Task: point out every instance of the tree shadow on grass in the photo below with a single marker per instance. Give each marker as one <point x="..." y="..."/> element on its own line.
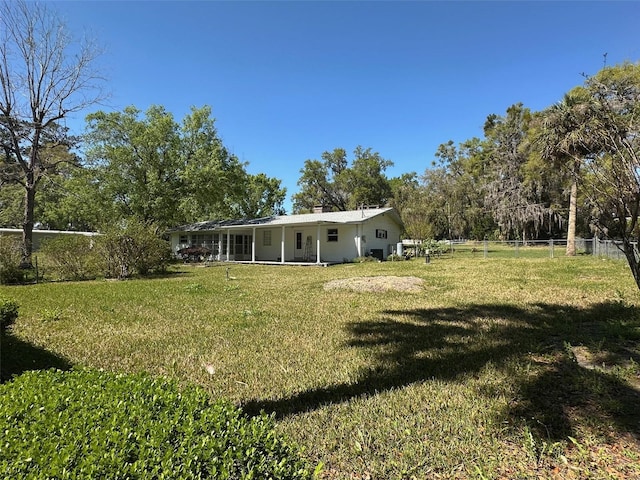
<point x="18" y="356"/>
<point x="412" y="346"/>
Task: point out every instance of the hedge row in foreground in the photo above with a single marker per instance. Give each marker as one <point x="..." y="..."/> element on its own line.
<point x="88" y="424"/>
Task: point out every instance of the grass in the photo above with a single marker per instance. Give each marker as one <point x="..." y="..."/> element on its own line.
<point x="498" y="368"/>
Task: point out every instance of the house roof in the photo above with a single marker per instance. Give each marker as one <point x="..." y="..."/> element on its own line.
<point x="351" y="216"/>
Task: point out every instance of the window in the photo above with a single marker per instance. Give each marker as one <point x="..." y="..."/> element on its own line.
<point x="381" y="233"/>
<point x="266" y="238"/>
<point x="298" y="240"/>
<point x="241" y="244"/>
<point x="184" y="239"/>
<point x="202" y="240"/>
<point x="332" y="235"/>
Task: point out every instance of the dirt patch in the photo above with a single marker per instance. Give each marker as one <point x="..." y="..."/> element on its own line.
<point x="608" y="361"/>
<point x="377" y="284"/>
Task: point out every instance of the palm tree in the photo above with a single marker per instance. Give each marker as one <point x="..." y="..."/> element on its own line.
<point x="564" y="139"/>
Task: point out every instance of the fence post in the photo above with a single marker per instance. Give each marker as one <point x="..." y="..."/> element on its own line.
<point x="517" y="248"/>
<point x="485" y="248"/>
<point x="551" y="247"/>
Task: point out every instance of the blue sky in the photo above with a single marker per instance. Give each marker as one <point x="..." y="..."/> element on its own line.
<point x="290" y="80"/>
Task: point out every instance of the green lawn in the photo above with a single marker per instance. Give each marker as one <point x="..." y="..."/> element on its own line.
<point x="497" y="368"/>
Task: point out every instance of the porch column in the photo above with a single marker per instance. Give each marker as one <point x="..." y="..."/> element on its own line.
<point x="253" y="245"/>
<point x="282" y="246"/>
<point x="318" y="244"/>
<point x="228" y="245"/>
<point x="359" y="241"/>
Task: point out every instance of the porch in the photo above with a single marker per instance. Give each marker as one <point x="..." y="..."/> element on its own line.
<point x="284" y="245"/>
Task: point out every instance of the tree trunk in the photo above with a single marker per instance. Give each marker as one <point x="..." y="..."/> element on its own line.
<point x="573" y="210"/>
<point x="27" y="224"/>
<point x="632" y="258"/>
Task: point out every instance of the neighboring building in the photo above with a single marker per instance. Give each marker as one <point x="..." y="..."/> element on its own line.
<point x="40" y="235"/>
<point x="320" y="237"/>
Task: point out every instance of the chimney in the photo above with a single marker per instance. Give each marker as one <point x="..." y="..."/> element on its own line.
<point x="321" y="209"/>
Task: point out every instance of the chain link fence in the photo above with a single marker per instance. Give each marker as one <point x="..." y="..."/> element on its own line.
<point x="530" y="249"/>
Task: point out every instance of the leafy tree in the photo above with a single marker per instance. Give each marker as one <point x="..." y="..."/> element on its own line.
<point x="11" y="205"/>
<point x="72" y="201"/>
<point x="459" y="189"/>
<point x="404" y="190"/>
<point x="366" y="182"/>
<point x="408" y="198"/>
<point x="213" y="179"/>
<point x="323" y="183"/>
<point x="435" y="191"/>
<point x="68" y="200"/>
<point x="44" y="77"/>
<point x="333" y="184"/>
<point x="137" y="163"/>
<point x="516" y="205"/>
<point x="595" y="130"/>
<point x="262" y="197"/>
<point x="159" y="171"/>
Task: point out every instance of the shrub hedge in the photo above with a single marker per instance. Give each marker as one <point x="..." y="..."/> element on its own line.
<point x="10" y="256"/>
<point x="8" y="312"/>
<point x="89" y="424"/>
<point x="71" y="257"/>
<point x="133" y="248"/>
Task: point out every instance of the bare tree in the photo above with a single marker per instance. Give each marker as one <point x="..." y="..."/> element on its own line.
<point x="44" y="77"/>
<point x="612" y="180"/>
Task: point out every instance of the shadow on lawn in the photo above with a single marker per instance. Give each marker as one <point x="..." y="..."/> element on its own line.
<point x="450" y="343"/>
<point x="18" y="356"/>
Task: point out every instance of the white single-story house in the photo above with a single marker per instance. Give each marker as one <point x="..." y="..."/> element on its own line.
<point x="39" y="236"/>
<point x="320" y="237"/>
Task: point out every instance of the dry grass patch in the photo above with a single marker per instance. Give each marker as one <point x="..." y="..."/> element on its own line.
<point x="384" y="283"/>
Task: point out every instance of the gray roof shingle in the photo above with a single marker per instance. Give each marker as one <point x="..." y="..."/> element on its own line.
<point x="350" y="216"/>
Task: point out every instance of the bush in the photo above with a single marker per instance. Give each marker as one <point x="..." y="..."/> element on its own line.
<point x="134" y="249"/>
<point x="90" y="424"/>
<point x="10" y="256"/>
<point x="71" y="257"/>
<point x="434" y="247"/>
<point x="394" y="258"/>
<point x="8" y="313"/>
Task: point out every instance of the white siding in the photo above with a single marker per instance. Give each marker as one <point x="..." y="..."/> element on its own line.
<point x="356" y="235"/>
<point x="343" y="249"/>
<point x="265" y="252"/>
<point x="387" y="245"/>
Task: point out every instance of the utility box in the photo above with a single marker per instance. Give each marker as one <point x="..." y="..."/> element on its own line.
<point x="377" y="253"/>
